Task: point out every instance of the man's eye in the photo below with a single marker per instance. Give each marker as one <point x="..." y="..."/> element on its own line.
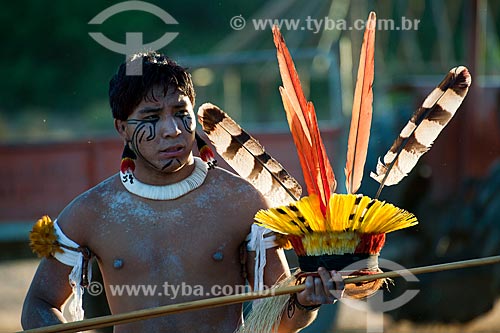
<point x="182" y="113"/>
<point x="151" y="117"/>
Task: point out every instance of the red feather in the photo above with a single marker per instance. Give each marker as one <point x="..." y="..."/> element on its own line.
<point x="318" y="173"/>
<point x="359" y="134"/>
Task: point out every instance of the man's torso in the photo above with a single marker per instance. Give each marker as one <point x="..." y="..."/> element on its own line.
<point x="156" y="253"/>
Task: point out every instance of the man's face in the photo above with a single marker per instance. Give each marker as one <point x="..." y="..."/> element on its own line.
<point x="162" y="131"/>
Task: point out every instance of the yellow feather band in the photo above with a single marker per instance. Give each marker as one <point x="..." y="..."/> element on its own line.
<point x="347" y="219"/>
<point x="43" y="239"/>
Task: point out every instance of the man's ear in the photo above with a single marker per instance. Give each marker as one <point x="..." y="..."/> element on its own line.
<point x="121" y="128"/>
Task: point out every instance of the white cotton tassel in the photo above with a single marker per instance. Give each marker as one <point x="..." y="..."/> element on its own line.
<point x="258" y="243"/>
<point x="76" y="305"/>
<point x="74" y="259"/>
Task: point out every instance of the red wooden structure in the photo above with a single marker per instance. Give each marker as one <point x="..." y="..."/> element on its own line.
<point x="40" y="179"/>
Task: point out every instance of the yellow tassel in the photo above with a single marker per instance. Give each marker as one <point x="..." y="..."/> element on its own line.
<point x="43" y="239"/>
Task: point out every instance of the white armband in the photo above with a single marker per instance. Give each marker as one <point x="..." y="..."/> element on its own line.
<point x="75" y="259"/>
<point x="259" y="240"/>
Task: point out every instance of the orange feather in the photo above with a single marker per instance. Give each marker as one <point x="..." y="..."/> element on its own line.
<point x="359" y="134"/>
<point x="318" y="173"/>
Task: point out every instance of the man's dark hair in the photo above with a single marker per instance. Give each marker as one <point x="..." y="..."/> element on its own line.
<point x="127" y="91"/>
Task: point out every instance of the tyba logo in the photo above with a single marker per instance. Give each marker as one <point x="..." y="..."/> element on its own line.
<point x="133" y="40"/>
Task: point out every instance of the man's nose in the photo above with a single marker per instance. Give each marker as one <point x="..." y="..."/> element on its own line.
<point x="169" y="127"/>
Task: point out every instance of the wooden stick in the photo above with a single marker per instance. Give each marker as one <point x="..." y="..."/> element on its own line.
<point x="138" y="315"/>
<point x="426" y="269"/>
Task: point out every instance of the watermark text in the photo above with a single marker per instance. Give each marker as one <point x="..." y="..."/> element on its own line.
<point x="317" y="25"/>
<point x="168" y="290"/>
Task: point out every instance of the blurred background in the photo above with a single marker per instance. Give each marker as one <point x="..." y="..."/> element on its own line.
<point x="57" y="137"/>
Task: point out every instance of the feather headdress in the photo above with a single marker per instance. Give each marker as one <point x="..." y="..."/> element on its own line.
<point x="337" y="230"/>
<point x="326" y="224"/>
<point x="326" y="228"/>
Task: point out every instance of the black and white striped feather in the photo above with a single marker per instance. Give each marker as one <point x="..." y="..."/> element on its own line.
<point x="421" y="131"/>
<point x="247" y="157"/>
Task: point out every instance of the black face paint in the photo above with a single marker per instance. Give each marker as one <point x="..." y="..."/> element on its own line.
<point x="169" y="163"/>
<point x="144" y="131"/>
<point x="147" y="126"/>
<point x="187" y="121"/>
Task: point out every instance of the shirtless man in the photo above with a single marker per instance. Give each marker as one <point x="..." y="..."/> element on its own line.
<point x="190" y="236"/>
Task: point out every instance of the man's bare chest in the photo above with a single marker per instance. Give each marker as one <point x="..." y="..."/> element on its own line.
<point x="143" y="239"/>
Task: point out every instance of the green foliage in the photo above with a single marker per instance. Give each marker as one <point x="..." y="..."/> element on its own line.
<point x="53" y="70"/>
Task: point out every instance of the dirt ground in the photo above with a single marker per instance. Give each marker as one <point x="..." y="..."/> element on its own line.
<point x="16" y="275"/>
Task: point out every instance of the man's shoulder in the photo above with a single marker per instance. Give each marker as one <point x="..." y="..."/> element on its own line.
<point x="225" y="178"/>
<point x="224" y="173"/>
<point x="80" y="213"/>
<point x="94" y="195"/>
<point x="229" y="184"/>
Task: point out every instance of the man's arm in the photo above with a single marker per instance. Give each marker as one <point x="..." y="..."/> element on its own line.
<point x="47" y="294"/>
<point x="50" y="287"/>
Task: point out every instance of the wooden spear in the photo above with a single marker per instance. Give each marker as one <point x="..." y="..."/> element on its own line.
<point x="138" y="315"/>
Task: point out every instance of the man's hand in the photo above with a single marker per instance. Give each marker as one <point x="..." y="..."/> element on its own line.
<point x="325" y="289"/>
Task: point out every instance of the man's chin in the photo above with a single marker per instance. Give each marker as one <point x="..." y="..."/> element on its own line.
<point x="176" y="164"/>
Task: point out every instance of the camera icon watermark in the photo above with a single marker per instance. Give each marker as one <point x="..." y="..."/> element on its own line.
<point x="376" y="302"/>
<point x="133" y="40"/>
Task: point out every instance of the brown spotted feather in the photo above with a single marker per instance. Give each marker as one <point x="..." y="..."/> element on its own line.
<point x="247" y="157"/>
<point x="421" y="131"/>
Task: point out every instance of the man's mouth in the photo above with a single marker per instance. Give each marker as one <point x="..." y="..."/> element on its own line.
<point x="171" y="151"/>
